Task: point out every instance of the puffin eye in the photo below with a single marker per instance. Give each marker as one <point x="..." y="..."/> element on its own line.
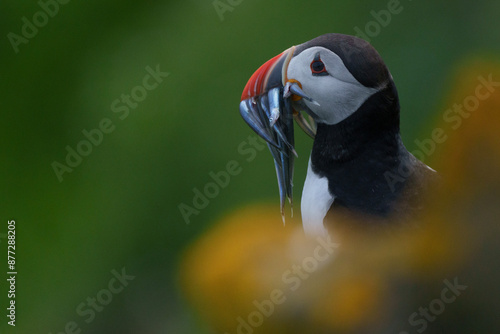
<point x="318" y="67"/>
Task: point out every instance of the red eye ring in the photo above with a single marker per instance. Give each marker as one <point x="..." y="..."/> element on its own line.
<point x="318" y="67"/>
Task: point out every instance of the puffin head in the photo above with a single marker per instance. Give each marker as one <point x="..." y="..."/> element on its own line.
<point x="339" y="73"/>
<point x="329" y="78"/>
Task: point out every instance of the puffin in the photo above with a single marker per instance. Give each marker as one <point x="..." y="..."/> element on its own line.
<point x="339" y="91"/>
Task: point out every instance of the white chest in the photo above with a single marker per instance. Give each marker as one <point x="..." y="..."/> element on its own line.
<point x="315" y="203"/>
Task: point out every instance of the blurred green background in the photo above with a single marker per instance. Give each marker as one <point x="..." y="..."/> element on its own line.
<point x="119" y="207"/>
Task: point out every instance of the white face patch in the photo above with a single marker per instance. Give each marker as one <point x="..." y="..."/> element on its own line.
<point x="338" y="93"/>
<point x="315" y="203"/>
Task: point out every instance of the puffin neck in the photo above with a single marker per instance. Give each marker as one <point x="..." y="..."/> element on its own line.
<point x="374" y="126"/>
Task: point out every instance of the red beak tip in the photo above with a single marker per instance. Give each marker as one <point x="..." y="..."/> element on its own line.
<point x="256" y="84"/>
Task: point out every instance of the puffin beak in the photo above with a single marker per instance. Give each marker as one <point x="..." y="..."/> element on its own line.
<point x="266" y="106"/>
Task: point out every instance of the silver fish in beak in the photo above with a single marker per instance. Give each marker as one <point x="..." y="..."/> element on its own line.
<point x="266" y="106"/>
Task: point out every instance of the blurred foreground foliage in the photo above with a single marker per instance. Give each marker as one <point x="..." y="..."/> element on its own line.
<point x="439" y="275"/>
